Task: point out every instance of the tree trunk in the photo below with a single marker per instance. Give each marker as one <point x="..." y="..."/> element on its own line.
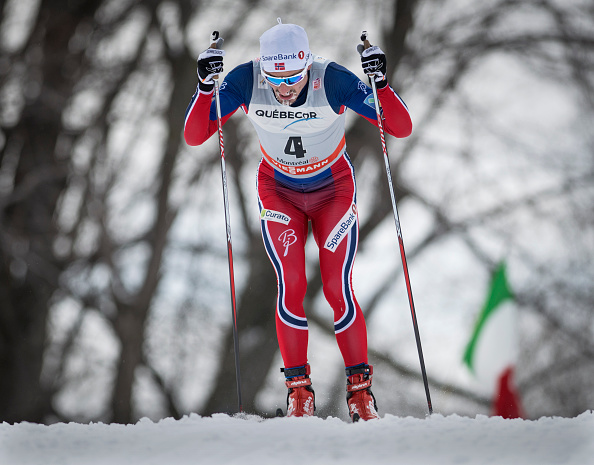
<point x="129" y="327"/>
<point x="29" y="271"/>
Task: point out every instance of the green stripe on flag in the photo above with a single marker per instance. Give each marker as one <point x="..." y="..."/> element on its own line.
<point x="498" y="293"/>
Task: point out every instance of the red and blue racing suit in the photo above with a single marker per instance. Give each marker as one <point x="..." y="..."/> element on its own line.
<point x="305" y="176"/>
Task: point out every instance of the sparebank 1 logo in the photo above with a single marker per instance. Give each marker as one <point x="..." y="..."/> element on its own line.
<point x="287" y="238"/>
<point x="341" y="229"/>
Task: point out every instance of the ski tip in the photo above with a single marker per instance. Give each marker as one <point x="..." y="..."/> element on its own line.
<point x="279" y="413"/>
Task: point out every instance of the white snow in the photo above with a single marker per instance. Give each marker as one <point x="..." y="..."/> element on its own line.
<point x="244" y="439"/>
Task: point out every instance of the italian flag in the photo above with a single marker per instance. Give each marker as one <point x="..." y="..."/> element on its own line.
<point x="492" y="351"/>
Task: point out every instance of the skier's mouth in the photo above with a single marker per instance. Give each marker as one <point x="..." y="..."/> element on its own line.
<point x="288" y="96"/>
<point x="286" y="99"/>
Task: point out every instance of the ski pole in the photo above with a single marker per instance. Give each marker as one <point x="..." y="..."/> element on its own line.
<point x="380" y="125"/>
<point x="215" y="41"/>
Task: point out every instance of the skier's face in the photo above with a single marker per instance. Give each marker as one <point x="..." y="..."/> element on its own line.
<point x="284" y="93"/>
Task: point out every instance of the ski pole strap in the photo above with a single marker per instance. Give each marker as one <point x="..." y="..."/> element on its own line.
<point x="304" y="370"/>
<point x="362" y="368"/>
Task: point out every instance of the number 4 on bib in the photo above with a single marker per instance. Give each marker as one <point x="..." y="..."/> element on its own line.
<point x="295" y="147"/>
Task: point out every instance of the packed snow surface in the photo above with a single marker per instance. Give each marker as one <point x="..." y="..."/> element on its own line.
<point x="244" y="439"/>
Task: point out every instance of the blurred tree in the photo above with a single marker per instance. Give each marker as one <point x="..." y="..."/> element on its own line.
<point x="38" y="77"/>
<point x="113" y="280"/>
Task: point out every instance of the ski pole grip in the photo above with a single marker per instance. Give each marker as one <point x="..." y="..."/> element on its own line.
<point x="214" y="43"/>
<point x="214" y="39"/>
<point x="366" y="43"/>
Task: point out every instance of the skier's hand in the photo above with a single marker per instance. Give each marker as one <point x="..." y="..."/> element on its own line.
<point x="374" y="64"/>
<point x="210" y="64"/>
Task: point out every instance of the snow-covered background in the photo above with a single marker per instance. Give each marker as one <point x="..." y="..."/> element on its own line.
<point x="222" y="439"/>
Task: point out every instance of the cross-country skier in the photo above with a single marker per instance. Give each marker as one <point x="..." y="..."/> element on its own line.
<point x="296" y="102"/>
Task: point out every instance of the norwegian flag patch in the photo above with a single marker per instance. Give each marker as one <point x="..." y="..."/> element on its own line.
<point x="279" y="66"/>
<point x="317" y="83"/>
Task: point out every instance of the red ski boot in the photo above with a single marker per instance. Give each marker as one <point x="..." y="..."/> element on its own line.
<point x="360" y="399"/>
<point x="301" y="396"/>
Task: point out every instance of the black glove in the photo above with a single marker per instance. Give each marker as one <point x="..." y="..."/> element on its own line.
<point x="210" y="64"/>
<point x="374" y="64"/>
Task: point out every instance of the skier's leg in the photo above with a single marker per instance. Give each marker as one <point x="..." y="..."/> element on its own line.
<point x="284" y="232"/>
<point x="285" y="247"/>
<point x="336" y="233"/>
<point x="335" y="228"/>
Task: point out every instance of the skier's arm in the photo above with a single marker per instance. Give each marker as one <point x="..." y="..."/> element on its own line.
<point x="344" y="89"/>
<point x="396" y="118"/>
<point x="201" y="116"/>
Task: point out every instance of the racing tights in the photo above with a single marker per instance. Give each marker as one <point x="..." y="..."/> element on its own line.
<point x="329" y="208"/>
